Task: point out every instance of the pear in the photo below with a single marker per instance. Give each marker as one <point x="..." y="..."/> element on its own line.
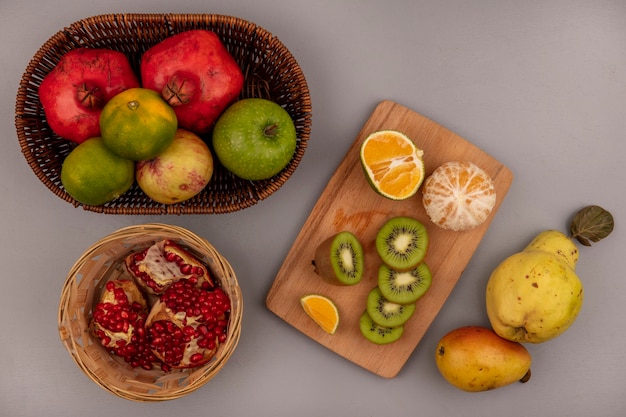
<point x="474" y="358"/>
<point x="535" y="295"/>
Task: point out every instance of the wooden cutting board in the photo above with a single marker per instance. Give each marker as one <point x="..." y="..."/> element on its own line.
<point x="348" y="203"/>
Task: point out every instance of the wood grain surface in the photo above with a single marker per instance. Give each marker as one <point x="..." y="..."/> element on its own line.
<point x="348" y="203"/>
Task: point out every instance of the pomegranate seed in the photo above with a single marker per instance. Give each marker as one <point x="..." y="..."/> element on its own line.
<point x="196" y="357"/>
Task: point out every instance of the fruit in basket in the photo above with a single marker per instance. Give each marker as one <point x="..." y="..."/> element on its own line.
<point x="404" y="287"/>
<point x="93" y="175"/>
<point x="402" y="242"/>
<point x="393" y="165"/>
<point x="186" y="324"/>
<point x="75" y="91"/>
<point x="387" y="313"/>
<point x="375" y="333"/>
<point x="178" y="173"/>
<point x="254" y="138"/>
<point x="137" y="124"/>
<point x="474" y="359"/>
<point x="195" y="74"/>
<point x="339" y="259"/>
<point x="535" y="295"/>
<point x="322" y="310"/>
<point x="118" y="321"/>
<point x="459" y="195"/>
<point x="163" y="263"/>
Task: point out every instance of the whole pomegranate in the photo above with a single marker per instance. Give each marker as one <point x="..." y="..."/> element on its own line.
<point x="119" y="323"/>
<point x="163" y="263"/>
<point x="195" y="74"/>
<point x="74" y="92"/>
<point x="187" y="324"/>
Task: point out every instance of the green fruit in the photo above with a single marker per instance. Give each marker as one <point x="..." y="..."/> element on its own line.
<point x="137" y="124"/>
<point x="404" y="287"/>
<point x="375" y="333"/>
<point x="475" y="359"/>
<point x="386" y="313"/>
<point x="93" y="175"/>
<point x="339" y="259"/>
<point x="254" y="138"/>
<point x="402" y="243"/>
<point x="535" y="295"/>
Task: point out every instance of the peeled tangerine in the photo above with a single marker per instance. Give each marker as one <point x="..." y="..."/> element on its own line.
<point x="535" y="295"/>
<point x="474" y="359"/>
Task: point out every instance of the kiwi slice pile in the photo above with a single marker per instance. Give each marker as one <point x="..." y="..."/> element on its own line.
<point x="403" y="278"/>
<point x="339" y="259"/>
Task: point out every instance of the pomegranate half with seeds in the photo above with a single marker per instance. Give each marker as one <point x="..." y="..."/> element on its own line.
<point x="163" y="263"/>
<point x="119" y="323"/>
<point x="187" y="324"/>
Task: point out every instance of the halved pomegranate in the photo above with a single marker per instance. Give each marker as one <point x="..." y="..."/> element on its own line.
<point x="165" y="262"/>
<point x="186" y="324"/>
<point x="118" y="322"/>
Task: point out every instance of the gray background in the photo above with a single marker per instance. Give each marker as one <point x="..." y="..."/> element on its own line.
<point x="540" y="85"/>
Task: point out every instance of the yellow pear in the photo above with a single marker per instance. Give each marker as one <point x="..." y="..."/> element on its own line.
<point x="535" y="295"/>
<point x="475" y="358"/>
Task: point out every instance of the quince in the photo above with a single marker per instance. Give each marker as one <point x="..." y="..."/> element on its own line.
<point x="535" y="295"/>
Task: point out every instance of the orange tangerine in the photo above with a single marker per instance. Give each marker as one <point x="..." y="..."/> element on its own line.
<point x="393" y="164"/>
<point x="322" y="310"/>
<point x="137" y="124"/>
<point x="459" y="195"/>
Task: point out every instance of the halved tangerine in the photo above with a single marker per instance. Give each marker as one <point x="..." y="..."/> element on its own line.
<point x="322" y="310"/>
<point x="393" y="164"/>
<point x="459" y="195"/>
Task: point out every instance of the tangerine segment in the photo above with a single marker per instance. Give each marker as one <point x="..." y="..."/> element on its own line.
<point x="459" y="195"/>
<point x="322" y="310"/>
<point x="393" y="164"/>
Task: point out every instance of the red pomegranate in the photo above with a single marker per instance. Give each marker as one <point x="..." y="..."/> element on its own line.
<point x="187" y="324"/>
<point x="119" y="323"/>
<point x="74" y="92"/>
<point x="195" y="74"/>
<point x="163" y="263"/>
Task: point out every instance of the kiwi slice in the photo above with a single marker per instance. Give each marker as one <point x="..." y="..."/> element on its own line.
<point x="339" y="259"/>
<point x="402" y="242"/>
<point x="378" y="334"/>
<point x="404" y="287"/>
<point x="386" y="313"/>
